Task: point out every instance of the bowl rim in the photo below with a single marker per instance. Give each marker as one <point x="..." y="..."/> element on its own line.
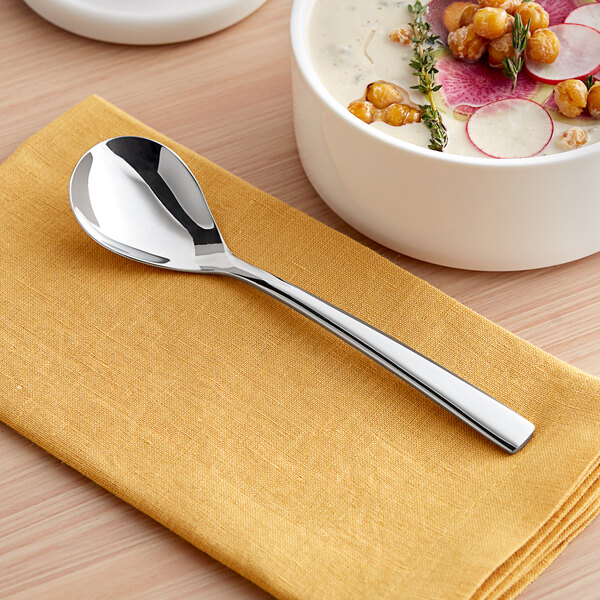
<point x="299" y="19"/>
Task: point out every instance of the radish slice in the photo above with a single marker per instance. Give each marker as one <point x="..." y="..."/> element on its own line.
<point x="466" y="85"/>
<point x="559" y="9"/>
<point x="588" y="14"/>
<point x="579" y="55"/>
<point x="513" y="128"/>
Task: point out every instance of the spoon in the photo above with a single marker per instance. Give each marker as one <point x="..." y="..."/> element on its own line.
<point x="137" y="198"/>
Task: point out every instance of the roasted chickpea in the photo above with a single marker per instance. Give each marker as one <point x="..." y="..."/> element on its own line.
<point x="400" y="114"/>
<point x="453" y="14"/>
<point x="534" y="14"/>
<point x="362" y="109"/>
<point x="381" y="94"/>
<point x="499" y="49"/>
<point x="401" y="35"/>
<point x="570" y="97"/>
<point x="543" y="46"/>
<point x="466" y="17"/>
<point x="574" y="137"/>
<point x="465" y="43"/>
<point x="508" y="5"/>
<point x="593" y="101"/>
<point x="491" y="23"/>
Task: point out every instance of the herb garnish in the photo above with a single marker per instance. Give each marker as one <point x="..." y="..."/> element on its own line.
<point x="512" y="66"/>
<point x="423" y="63"/>
<point x="589" y="82"/>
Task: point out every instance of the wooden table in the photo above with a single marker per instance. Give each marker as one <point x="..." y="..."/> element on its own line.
<point x="227" y="97"/>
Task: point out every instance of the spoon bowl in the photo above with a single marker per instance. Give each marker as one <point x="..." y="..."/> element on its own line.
<point x="137" y="198"/>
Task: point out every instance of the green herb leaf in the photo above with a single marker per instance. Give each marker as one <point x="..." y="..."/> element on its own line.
<point x="589" y="82"/>
<point x="513" y="66"/>
<point x="423" y="65"/>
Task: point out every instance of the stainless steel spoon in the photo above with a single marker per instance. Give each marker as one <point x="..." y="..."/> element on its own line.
<point x="137" y="198"/>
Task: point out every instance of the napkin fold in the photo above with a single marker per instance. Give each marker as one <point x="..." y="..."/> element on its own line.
<point x="257" y="435"/>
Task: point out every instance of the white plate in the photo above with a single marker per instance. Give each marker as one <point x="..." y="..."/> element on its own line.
<point x="144" y="21"/>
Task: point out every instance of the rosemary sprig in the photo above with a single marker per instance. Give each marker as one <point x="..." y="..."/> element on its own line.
<point x="423" y="63"/>
<point x="513" y="65"/>
<point x="589" y="82"/>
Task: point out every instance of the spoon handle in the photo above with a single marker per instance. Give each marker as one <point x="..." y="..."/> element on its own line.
<point x="507" y="429"/>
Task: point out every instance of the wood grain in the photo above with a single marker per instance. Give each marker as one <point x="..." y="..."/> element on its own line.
<point x="228" y="97"/>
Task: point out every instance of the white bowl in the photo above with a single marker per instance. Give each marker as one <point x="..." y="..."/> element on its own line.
<point x="466" y="212"/>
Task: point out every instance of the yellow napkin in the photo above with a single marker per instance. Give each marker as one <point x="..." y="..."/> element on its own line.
<point x="257" y="435"/>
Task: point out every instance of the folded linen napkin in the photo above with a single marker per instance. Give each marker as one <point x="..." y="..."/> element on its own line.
<point x="257" y="435"/>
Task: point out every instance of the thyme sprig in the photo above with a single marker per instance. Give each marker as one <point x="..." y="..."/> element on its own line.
<point x="514" y="64"/>
<point x="423" y="63"/>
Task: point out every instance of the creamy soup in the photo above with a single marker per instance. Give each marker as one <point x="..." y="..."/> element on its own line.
<point x="350" y="47"/>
